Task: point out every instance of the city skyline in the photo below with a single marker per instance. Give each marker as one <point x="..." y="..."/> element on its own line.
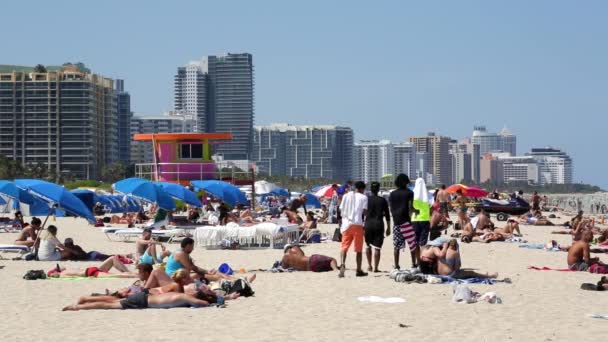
<point x="428" y="67"/>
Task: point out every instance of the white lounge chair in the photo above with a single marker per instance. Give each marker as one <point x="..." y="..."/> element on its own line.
<point x="14" y="249"/>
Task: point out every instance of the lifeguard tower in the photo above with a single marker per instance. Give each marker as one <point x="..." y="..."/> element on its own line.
<point x="182" y="157"/>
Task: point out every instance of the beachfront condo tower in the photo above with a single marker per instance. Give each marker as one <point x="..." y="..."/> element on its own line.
<point x="218" y="91"/>
<point x="304" y="151"/>
<point x="123" y="109"/>
<point x="62" y="116"/>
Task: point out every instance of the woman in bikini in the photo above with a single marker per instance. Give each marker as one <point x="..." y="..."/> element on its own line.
<point x="96" y="272"/>
<point x="450" y="265"/>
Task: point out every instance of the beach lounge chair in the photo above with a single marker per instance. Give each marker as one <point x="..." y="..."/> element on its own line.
<point x="14" y="249"/>
<point x="267" y="234"/>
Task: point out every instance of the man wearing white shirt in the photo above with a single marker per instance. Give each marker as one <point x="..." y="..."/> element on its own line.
<point x="353" y="209"/>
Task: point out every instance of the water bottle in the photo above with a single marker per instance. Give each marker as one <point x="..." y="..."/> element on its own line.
<point x="220" y="297"/>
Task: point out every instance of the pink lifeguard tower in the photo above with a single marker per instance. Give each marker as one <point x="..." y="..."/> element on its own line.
<point x="180" y="157"/>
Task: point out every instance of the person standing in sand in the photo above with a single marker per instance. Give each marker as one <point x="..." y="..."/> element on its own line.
<point x="377" y="210"/>
<point x="353" y="210"/>
<point x="443" y="197"/>
<point x="401" y="205"/>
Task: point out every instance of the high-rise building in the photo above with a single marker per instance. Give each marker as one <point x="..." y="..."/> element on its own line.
<point x="439" y="157"/>
<point x="461" y="163"/>
<point x="123" y="109"/>
<point x="62" y="116"/>
<point x="191" y="94"/>
<point x="373" y="159"/>
<point x="519" y="169"/>
<point x="141" y="151"/>
<point x="218" y="91"/>
<point x="405" y="159"/>
<point x="491" y="170"/>
<point x="555" y="166"/>
<point x="488" y="142"/>
<point x="423" y="165"/>
<point x="304" y="151"/>
<point x="475" y="152"/>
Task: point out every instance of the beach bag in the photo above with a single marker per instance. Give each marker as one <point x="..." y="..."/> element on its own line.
<point x="241" y="287"/>
<point x="337" y="235"/>
<point x="34" y="274"/>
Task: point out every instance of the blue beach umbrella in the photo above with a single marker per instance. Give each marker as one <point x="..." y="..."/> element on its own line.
<point x="312" y="200"/>
<point x="146" y="191"/>
<point x="179" y="192"/>
<point x="56" y="195"/>
<point x="280" y="192"/>
<point x="18" y="195"/>
<point x="222" y="190"/>
<point x="2" y="201"/>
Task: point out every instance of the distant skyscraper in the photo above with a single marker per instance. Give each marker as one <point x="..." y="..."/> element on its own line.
<point x="555" y="166"/>
<point x="493" y="142"/>
<point x="304" y="151"/>
<point x="373" y="159"/>
<point x="439" y="157"/>
<point x="218" y="91"/>
<point x="64" y="117"/>
<point x="405" y="159"/>
<point x="461" y="163"/>
<point x="123" y="107"/>
<point x="491" y="170"/>
<point x="475" y="152"/>
<point x="191" y="94"/>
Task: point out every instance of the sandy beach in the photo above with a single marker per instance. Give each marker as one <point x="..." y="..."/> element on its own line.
<point x="306" y="306"/>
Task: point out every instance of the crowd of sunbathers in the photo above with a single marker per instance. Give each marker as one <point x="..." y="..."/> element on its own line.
<point x="175" y="282"/>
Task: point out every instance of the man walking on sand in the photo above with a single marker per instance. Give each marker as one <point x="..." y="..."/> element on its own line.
<point x="353" y="209"/>
<point x="401" y="205"/>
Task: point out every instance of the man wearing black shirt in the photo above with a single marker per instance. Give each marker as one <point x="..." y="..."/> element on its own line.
<point x="401" y="205"/>
<point x="377" y="209"/>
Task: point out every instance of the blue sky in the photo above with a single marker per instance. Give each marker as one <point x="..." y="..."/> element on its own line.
<point x="388" y="69"/>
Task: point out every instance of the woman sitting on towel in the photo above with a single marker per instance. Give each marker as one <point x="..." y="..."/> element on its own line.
<point x="50" y="248"/>
<point x="445" y="260"/>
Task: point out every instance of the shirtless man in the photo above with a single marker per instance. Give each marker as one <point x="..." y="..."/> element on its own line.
<point x="439" y="222"/>
<point x="95" y="272"/>
<point x="294" y="257"/>
<point x="28" y="235"/>
<point x="451" y="265"/>
<point x="143" y="300"/>
<point x="443" y="197"/>
<point x="145" y="249"/>
<point x="579" y="256"/>
<point x="461" y="200"/>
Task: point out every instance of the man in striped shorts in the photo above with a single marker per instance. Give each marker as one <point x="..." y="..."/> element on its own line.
<point x="401" y="205"/>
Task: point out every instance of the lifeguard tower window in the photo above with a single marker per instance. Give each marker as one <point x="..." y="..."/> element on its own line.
<point x="191" y="151"/>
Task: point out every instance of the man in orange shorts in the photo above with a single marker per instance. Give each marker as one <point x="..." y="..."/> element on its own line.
<point x="353" y="209"/>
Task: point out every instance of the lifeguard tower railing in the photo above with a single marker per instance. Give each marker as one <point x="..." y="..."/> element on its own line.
<point x="183" y="173"/>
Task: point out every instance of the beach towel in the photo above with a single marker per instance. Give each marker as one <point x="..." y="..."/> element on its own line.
<point x="532" y="245"/>
<point x="376" y="299"/>
<point x="422" y="202"/>
<point x="549" y="269"/>
<point x="449" y="280"/>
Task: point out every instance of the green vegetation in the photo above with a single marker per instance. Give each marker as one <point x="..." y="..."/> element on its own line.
<point x="89" y="183"/>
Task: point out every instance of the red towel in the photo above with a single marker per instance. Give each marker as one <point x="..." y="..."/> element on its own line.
<point x="550" y="269"/>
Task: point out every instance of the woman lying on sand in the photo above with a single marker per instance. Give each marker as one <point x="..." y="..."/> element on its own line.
<point x="96" y="272"/>
<point x="446" y="261"/>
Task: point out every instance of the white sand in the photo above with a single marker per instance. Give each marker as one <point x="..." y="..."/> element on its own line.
<point x="304" y="306"/>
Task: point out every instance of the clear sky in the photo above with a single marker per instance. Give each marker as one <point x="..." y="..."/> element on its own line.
<point x="388" y="69"/>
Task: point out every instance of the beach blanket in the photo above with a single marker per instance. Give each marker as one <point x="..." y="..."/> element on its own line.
<point x="550" y="269"/>
<point x="532" y="245"/>
<point x="450" y="280"/>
